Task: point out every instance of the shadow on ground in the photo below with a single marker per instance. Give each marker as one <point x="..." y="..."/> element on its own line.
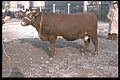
<point x="60" y="43"/>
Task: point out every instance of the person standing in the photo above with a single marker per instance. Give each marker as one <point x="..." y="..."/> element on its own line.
<point x="113" y="17"/>
<point x="7" y="14"/>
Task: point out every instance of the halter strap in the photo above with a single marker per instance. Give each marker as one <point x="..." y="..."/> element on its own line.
<point x="41" y="19"/>
<point x="41" y="23"/>
<point x="27" y="19"/>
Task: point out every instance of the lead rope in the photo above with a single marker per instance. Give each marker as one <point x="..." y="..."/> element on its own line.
<point x="41" y="22"/>
<point x="5" y="51"/>
<point x="41" y="19"/>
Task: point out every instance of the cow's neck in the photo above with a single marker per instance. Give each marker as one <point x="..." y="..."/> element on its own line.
<point x="36" y="26"/>
<point x="36" y="23"/>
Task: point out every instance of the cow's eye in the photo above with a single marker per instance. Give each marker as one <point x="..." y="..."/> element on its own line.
<point x="35" y="17"/>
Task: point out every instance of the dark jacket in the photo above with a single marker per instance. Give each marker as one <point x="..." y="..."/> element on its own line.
<point x="7" y="12"/>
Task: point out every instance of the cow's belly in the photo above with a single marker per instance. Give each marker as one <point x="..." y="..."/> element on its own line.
<point x="71" y="37"/>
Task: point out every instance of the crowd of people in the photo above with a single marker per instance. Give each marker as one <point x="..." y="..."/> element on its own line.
<point x="7" y="15"/>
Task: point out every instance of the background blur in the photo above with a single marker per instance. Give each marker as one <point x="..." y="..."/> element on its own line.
<point x="100" y="8"/>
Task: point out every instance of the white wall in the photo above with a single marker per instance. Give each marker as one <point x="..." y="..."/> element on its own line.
<point x="38" y="3"/>
<point x="26" y="4"/>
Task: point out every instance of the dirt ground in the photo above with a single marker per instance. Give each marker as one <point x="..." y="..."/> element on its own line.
<point x="25" y="55"/>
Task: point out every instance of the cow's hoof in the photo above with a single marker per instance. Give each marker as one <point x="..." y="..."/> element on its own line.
<point x="41" y="57"/>
<point x="83" y="53"/>
<point x="51" y="55"/>
<point x="47" y="62"/>
<point x="95" y="52"/>
<point x="51" y="58"/>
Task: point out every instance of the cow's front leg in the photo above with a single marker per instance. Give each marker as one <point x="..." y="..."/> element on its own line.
<point x="52" y="45"/>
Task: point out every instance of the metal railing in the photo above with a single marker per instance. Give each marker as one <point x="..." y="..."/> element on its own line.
<point x="100" y="10"/>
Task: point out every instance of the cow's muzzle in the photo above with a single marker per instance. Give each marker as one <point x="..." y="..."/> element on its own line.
<point x="26" y="21"/>
<point x="23" y="23"/>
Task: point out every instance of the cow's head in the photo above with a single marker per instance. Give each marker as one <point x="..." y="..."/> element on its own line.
<point x="22" y="13"/>
<point x="29" y="17"/>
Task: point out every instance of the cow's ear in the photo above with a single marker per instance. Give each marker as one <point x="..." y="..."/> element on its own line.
<point x="21" y="13"/>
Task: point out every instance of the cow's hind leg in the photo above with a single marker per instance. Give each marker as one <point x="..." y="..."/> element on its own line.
<point x="95" y="42"/>
<point x="86" y="44"/>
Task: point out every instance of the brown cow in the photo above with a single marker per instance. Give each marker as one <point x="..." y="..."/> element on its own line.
<point x="69" y="26"/>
